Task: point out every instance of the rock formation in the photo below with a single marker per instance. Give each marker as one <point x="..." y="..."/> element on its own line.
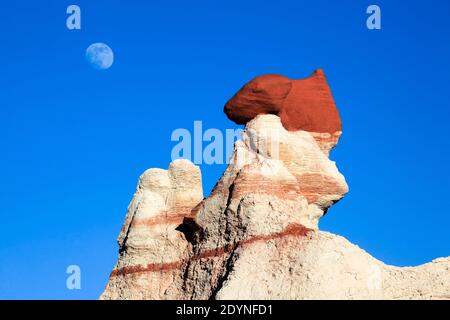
<point x="256" y="235"/>
<point x="151" y="247"/>
<point x="305" y="104"/>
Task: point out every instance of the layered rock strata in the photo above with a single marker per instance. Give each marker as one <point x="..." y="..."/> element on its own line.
<point x="256" y="235"/>
<point x="151" y="248"/>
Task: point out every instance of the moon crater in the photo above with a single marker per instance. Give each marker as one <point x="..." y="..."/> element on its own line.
<point x="100" y="56"/>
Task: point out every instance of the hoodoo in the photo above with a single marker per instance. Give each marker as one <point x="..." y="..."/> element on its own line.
<point x="265" y="208"/>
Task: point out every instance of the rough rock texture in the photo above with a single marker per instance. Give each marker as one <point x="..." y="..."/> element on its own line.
<point x="149" y="242"/>
<point x="305" y="104"/>
<point x="256" y="236"/>
<point x="321" y="265"/>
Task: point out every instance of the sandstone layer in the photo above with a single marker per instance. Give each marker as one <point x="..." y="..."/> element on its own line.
<point x="256" y="235"/>
<point x="304" y="104"/>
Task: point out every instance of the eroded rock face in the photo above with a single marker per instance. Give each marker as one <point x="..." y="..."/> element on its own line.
<point x="322" y="265"/>
<point x="264" y="196"/>
<point x="256" y="235"/>
<point x="151" y="249"/>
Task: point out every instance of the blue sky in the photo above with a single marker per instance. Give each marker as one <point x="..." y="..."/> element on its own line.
<point x="74" y="139"/>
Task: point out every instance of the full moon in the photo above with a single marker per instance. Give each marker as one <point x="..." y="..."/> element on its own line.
<point x="100" y="56"/>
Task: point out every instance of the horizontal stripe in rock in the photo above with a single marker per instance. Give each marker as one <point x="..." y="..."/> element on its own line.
<point x="326" y="141"/>
<point x="175" y="216"/>
<point x="315" y="185"/>
<point x="292" y="230"/>
<point x="251" y="184"/>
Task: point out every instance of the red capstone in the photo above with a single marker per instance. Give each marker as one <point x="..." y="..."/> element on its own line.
<point x="304" y="104"/>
